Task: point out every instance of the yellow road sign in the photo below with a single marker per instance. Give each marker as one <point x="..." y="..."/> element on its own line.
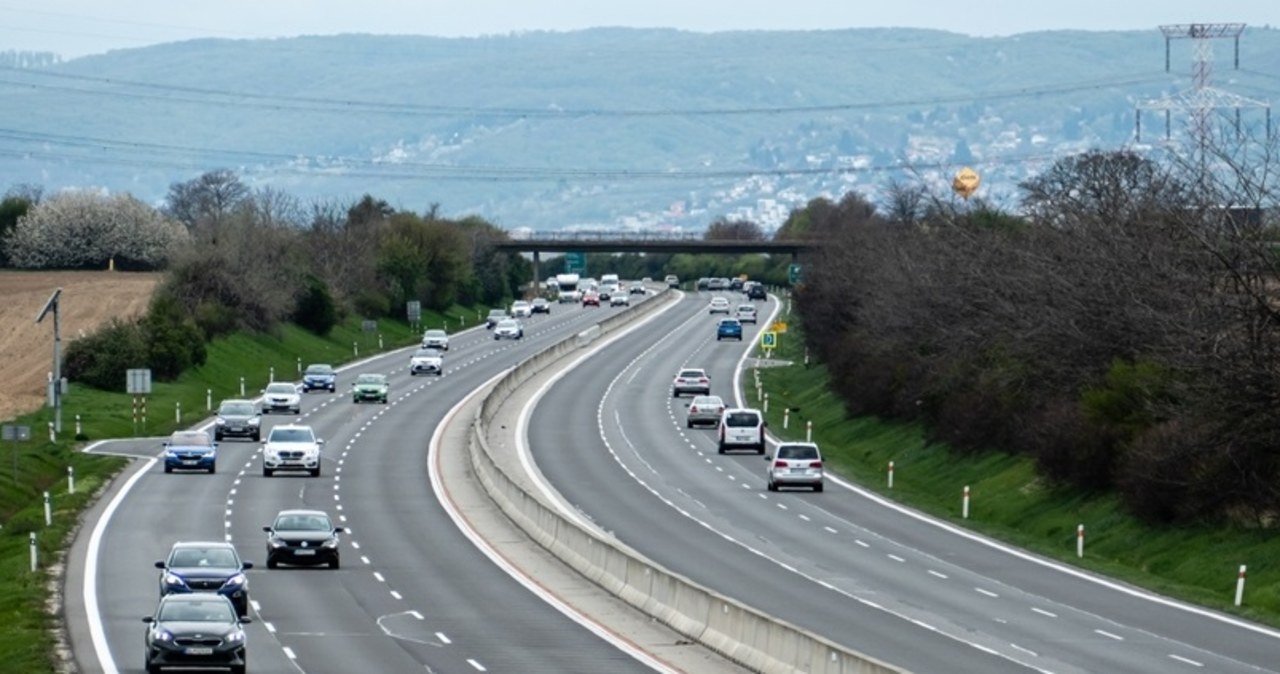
<point x="778" y="326"/>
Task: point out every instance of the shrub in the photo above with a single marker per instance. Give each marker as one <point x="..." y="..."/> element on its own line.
<point x="102" y="358"/>
<point x="316" y="310"/>
<point x="174" y="343"/>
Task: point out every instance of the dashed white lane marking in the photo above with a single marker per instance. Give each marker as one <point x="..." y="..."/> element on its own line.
<point x="270" y="627"/>
<point x="289" y="652"/>
<point x="1028" y="651"/>
<point x="1109" y="635"/>
<point x="364" y="559"/>
<point x="479" y="667"/>
<point x="830" y="530"/>
<point x="989" y="593"/>
<point x="937" y="574"/>
<point x="417" y="615"/>
<point x="379" y="577"/>
<point x="1189" y="661"/>
<point x="443" y="639"/>
<point x="805" y="517"/>
<point x="396" y="595"/>
<point x="861" y="543"/>
<point x="1044" y="612"/>
<point x="896" y="558"/>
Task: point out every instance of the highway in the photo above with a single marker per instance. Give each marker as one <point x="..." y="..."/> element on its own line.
<point x="845" y="564"/>
<point x="413" y="594"/>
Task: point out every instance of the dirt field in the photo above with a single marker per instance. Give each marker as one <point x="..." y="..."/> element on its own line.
<point x="26" y="349"/>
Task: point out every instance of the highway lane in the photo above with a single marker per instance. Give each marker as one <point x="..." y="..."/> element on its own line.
<point x="413" y="593"/>
<point x="842" y="563"/>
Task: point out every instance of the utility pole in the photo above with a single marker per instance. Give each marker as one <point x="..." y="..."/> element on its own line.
<point x="1202" y="99"/>
<point x="55" y="382"/>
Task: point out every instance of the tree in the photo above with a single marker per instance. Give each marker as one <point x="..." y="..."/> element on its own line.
<point x="86" y="230"/>
<point x="733" y="230"/>
<point x="12" y="208"/>
<point x="201" y="203"/>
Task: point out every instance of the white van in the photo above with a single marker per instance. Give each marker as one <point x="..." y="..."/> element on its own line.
<point x="742" y="428"/>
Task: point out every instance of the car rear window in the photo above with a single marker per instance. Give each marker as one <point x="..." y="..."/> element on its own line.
<point x="691" y="373"/>
<point x="797" y="452"/>
<point x="742" y="419"/>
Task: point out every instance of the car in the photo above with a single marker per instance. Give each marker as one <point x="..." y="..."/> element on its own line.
<point x="705" y="410"/>
<point x="794" y="464"/>
<point x="281" y="396"/>
<point x="591" y="297"/>
<point x="637" y="288"/>
<point x="237" y="419"/>
<point x="691" y="380"/>
<point x="509" y="329"/>
<point x="607" y="290"/>
<point x="745" y="313"/>
<point x="521" y="309"/>
<point x="741" y="428"/>
<point x="370" y="386"/>
<point x="757" y="291"/>
<point x="291" y="447"/>
<point x="540" y="305"/>
<point x="717" y="283"/>
<point x="319" y="377"/>
<point x="494" y="316"/>
<point x="426" y="361"/>
<point x="194" y="630"/>
<point x="672" y="281"/>
<point x="435" y="339"/>
<point x="703" y="284"/>
<point x="304" y="538"/>
<point x="190" y="450"/>
<point x="729" y="328"/>
<point x="206" y="566"/>
<point x="719" y="305"/>
<point x="619" y="300"/>
<point x="736" y="283"/>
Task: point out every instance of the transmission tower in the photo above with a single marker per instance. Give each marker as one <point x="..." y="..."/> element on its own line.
<point x="1202" y="99"/>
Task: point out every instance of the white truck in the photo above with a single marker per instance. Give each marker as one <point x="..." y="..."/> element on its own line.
<point x="568" y="284"/>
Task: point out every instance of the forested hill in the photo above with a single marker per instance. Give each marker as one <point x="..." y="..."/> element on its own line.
<point x="604" y="126"/>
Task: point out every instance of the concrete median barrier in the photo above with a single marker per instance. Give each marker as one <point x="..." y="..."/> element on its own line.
<point x="743" y="634"/>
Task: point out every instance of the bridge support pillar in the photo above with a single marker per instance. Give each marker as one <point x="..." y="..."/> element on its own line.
<point x="537" y="276"/>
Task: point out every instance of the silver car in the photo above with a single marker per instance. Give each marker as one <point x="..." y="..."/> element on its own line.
<point x="691" y="380"/>
<point x="281" y="396"/>
<point x="795" y="464"/>
<point x="508" y="329"/>
<point x="435" y="339"/>
<point x="705" y="410"/>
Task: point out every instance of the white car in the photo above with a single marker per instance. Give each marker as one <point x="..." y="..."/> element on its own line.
<point x="508" y="329"/>
<point x="291" y="447"/>
<point x="281" y="396"/>
<point x="521" y="309"/>
<point x="426" y="361"/>
<point x="796" y="464"/>
<point x="719" y="305"/>
<point x="746" y="313"/>
<point x="435" y="339"/>
<point x="620" y="299"/>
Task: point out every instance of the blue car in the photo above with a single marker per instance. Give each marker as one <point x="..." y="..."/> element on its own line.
<point x="319" y="377"/>
<point x="729" y="328"/>
<point x="190" y="450"/>
<point x="206" y="566"/>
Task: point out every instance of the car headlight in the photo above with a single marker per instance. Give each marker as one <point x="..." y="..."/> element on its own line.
<point x="255" y="421"/>
<point x="235" y="637"/>
<point x="330" y="543"/>
<point x="220" y="421"/>
<point x="164" y="635"/>
<point x="237" y="580"/>
<point x="275" y="542"/>
<point x="174" y="580"/>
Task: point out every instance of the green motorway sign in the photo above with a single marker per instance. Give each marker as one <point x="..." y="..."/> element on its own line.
<point x="575" y="263"/>
<point x="793" y="274"/>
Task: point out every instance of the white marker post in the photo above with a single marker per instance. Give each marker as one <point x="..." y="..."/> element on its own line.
<point x="177" y="412"/>
<point x="299" y="366"/>
<point x="806" y="355"/>
<point x="208" y="400"/>
<point x="71" y="480"/>
<point x="78" y="425"/>
<point x="271" y="374"/>
<point x="891" y="475"/>
<point x="355" y="349"/>
<point x="759" y="393"/>
<point x="242" y="387"/>
<point x="964" y="509"/>
<point x="786" y="418"/>
<point x="33" y="552"/>
<point x="808" y="431"/>
<point x="1239" y="584"/>
<point x="48" y="510"/>
<point x="766" y="403"/>
<point x="379" y="342"/>
<point x="1079" y="540"/>
<point x="53" y="435"/>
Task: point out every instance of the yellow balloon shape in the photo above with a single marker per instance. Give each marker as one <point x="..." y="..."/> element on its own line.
<point x="966" y="182"/>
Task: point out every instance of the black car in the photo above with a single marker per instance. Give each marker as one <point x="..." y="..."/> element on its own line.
<point x="238" y="419"/>
<point x="319" y="378"/>
<point x="206" y="567"/>
<point x="194" y="630"/>
<point x="303" y="537"/>
<point x="757" y="292"/>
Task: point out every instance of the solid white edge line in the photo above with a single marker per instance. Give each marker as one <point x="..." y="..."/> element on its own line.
<point x="488" y="551"/>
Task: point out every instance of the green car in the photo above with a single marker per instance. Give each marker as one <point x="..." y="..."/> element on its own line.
<point x="369" y="387"/>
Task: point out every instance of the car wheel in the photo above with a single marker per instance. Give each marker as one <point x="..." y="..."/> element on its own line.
<point x="771" y="486"/>
<point x="213" y="469"/>
<point x="150" y="668"/>
<point x="760" y="448"/>
<point x="267" y="472"/>
<point x="496" y="338"/>
<point x="335" y="563"/>
<point x="333" y="389"/>
<point x="818" y="487"/>
<point x="257" y="437"/>
<point x="272" y="564"/>
<point x="689" y="423"/>
<point x="168" y="469"/>
<point x="239" y="669"/>
<point x="413" y="373"/>
<point x="217" y="437"/>
<point x="297" y="410"/>
<point x="315" y="472"/>
<point x="722" y="448"/>
<point x="266" y="410"/>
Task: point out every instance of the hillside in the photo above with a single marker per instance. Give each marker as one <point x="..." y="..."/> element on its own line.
<point x="635" y="127"/>
<point x="88" y="299"/>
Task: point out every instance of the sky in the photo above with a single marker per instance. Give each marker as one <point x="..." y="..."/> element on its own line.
<point x="75" y="28"/>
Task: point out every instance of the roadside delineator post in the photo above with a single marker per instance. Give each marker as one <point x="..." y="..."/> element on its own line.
<point x="33" y="552"/>
<point x="1239" y="585"/>
<point x="891" y="475"/>
<point x="965" y="505"/>
<point x="299" y="366"/>
<point x="271" y="374"/>
<point x="208" y="400"/>
<point x="355" y="349"/>
<point x="808" y="431"/>
<point x="241" y="387"/>
<point x="786" y="418"/>
<point x="766" y="403"/>
<point x="71" y="479"/>
<point x="379" y="342"/>
<point x="1079" y="540"/>
<point x="78" y="425"/>
<point x="48" y="510"/>
<point x="53" y="435"/>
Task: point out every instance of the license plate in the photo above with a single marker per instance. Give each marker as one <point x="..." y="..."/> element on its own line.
<point x="189" y="462"/>
<point x="304" y="553"/>
<point x="199" y="650"/>
<point x="799" y="470"/>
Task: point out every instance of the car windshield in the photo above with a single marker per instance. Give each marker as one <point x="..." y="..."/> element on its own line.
<point x="371" y="378"/>
<point x="426" y="353"/>
<point x="215" y="557"/>
<point x="190" y="438"/>
<point x="497" y="312"/>
<point x="729" y="323"/>
<point x="691" y="374"/>
<point x="797" y="452"/>
<point x="708" y="401"/>
<point x="319" y="369"/>
<point x="520" y="304"/>
<point x="200" y="611"/>
<point x="236" y="410"/>
<point x="508" y="324"/>
<point x="742" y="419"/>
<point x="435" y="334"/>
<point x="281" y="388"/>
<point x="292" y="435"/>
<point x="302" y="522"/>
<point x="746" y="309"/>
